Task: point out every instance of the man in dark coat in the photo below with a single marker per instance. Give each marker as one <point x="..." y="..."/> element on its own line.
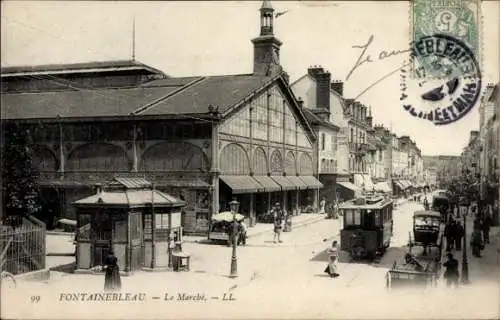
<point x="451" y="274"/>
<point x="460" y="232"/>
<point x="112" y="281"/>
<point x="449" y="233"/>
<point x="485" y="226"/>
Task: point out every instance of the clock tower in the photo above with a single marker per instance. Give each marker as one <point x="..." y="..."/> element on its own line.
<point x="266" y="52"/>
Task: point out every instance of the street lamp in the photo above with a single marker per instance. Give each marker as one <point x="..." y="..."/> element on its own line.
<point x="464" y="208"/>
<point x="234" y="205"/>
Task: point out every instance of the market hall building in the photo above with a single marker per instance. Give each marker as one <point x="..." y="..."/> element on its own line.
<point x="202" y="139"/>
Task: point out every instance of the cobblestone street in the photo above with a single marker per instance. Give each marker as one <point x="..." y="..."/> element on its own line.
<point x="289" y="275"/>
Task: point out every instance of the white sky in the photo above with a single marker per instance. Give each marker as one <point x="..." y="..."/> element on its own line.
<point x="210" y="38"/>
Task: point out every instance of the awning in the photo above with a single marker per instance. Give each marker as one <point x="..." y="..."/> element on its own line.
<point x="348" y="185"/>
<point x="399" y="185"/>
<point x="311" y="182"/>
<point x="267" y="183"/>
<point x="284" y="183"/>
<point x="241" y="184"/>
<point x="297" y="182"/>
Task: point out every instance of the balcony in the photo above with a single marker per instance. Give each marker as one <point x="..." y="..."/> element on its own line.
<point x="359" y="148"/>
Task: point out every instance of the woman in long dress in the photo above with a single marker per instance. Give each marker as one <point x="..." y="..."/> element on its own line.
<point x="322" y="206"/>
<point x="112" y="281"/>
<point x="333" y="254"/>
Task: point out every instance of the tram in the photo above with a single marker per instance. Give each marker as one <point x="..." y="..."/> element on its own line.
<point x="367" y="227"/>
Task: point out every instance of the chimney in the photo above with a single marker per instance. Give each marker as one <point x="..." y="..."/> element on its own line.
<point x="323" y="79"/>
<point x="338" y="86"/>
<point x="369" y="118"/>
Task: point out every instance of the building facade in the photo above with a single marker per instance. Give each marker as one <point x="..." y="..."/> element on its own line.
<point x="414" y="169"/>
<point x="489" y="144"/>
<point x="447" y="168"/>
<point x="471" y="154"/>
<point x="205" y="140"/>
<point x="323" y="107"/>
<point x="376" y="158"/>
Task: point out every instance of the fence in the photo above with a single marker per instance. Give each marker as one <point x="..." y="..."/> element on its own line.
<point x="23" y="248"/>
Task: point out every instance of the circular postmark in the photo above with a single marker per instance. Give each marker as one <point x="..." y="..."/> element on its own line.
<point x="443" y="81"/>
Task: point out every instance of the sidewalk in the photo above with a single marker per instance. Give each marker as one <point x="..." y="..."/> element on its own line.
<point x="487" y="267"/>
<point x="262" y="228"/>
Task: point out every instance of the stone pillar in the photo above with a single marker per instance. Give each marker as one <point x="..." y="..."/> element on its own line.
<point x="268" y="201"/>
<point x="128" y="250"/>
<point x="297" y="206"/>
<point x="252" y="210"/>
<point x="215" y="169"/>
<point x="316" y="199"/>
<point x="61" y="149"/>
<point x="285" y="207"/>
<point x="135" y="159"/>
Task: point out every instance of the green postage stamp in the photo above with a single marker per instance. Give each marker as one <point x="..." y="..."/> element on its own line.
<point x="459" y="19"/>
<point x="444" y="81"/>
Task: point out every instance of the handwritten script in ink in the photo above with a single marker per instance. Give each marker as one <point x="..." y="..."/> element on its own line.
<point x="365" y="57"/>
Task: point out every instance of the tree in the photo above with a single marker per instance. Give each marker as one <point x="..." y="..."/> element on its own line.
<point x="19" y="176"/>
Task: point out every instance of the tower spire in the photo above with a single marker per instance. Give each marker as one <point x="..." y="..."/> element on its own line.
<point x="133" y="38"/>
<point x="266" y="18"/>
<point x="266" y="45"/>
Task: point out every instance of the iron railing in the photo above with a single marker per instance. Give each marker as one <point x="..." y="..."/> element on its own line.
<point x="22" y="249"/>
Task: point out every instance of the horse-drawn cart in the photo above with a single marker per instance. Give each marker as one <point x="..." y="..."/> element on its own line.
<point x="421" y="265"/>
<point x="415" y="270"/>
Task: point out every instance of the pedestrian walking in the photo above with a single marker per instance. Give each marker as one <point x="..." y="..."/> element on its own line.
<point x="333" y="254"/>
<point x="451" y="273"/>
<point x="112" y="281"/>
<point x="278" y="222"/>
<point x="277" y="211"/>
<point x="485" y="226"/>
<point x="426" y="203"/>
<point x="449" y="233"/>
<point x="476" y="243"/>
<point x="243" y="233"/>
<point x="460" y="233"/>
<point x="322" y="206"/>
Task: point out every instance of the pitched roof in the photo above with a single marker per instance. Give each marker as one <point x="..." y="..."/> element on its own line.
<point x="130" y="198"/>
<point x="79" y="104"/>
<point x="222" y="91"/>
<point x="313" y="119"/>
<point x="171" y="96"/>
<point x="131" y="192"/>
<point x="84" y="67"/>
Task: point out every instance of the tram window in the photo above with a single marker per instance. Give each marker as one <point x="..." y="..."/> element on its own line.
<point x="377" y="218"/>
<point x="348" y="217"/>
<point x="357" y="217"/>
<point x="368" y="219"/>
